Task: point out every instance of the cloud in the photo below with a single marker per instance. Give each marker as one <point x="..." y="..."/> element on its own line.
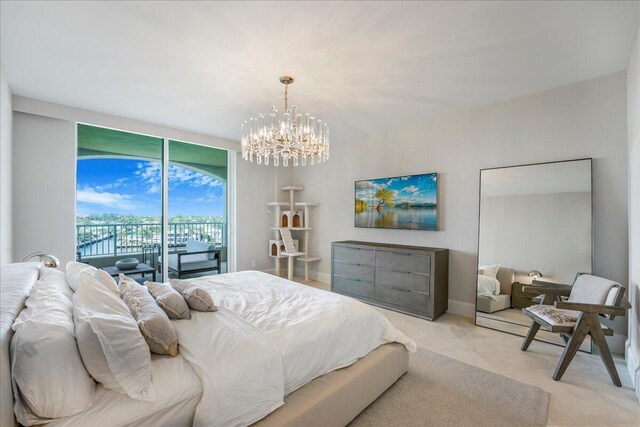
<point x="115" y="184"/>
<point x="368" y="185"/>
<point x="366" y="189"/>
<point x="404" y="178"/>
<point x="411" y="189"/>
<point x="151" y="172"/>
<point x="391" y="181"/>
<point x="114" y="200"/>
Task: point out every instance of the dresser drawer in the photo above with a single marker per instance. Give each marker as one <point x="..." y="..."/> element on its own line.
<point x="407" y="300"/>
<point x="403" y="280"/>
<point x="353" y="287"/>
<point x="353" y="255"/>
<point x="352" y="271"/>
<point x="403" y="261"/>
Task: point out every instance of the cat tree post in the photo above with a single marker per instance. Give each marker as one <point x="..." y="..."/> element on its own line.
<point x="276" y="236"/>
<point x="283" y="228"/>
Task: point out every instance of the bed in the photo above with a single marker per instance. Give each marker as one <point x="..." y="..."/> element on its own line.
<point x="300" y="356"/>
<point x="501" y="301"/>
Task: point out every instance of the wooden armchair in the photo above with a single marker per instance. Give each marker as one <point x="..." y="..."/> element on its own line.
<point x="578" y="316"/>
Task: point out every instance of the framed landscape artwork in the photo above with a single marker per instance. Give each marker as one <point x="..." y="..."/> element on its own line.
<point x="403" y="202"/>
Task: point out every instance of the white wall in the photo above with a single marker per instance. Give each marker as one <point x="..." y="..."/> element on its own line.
<point x="44" y="177"/>
<point x="255" y="187"/>
<point x="587" y="119"/>
<point x="6" y="114"/>
<point x="546" y="232"/>
<point x="633" y="114"/>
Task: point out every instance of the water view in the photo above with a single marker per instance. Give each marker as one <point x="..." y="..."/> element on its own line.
<point x="407" y="219"/>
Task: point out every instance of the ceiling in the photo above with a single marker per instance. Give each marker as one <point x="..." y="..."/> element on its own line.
<point x="206" y="67"/>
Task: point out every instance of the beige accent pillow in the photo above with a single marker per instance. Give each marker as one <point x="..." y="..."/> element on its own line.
<point x="196" y="296"/>
<point x="152" y="321"/>
<point x="169" y="300"/>
<point x="112" y="348"/>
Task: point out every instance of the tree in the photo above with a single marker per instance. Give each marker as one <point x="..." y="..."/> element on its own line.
<point x="384" y="197"/>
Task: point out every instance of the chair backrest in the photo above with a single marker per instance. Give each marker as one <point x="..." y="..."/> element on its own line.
<point x="198" y="246"/>
<point x="590" y="289"/>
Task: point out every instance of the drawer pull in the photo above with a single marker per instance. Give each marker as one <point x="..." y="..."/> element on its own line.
<point x="400" y="289"/>
<point x="400" y="271"/>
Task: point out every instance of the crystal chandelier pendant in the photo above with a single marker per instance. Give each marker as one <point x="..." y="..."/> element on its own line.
<point x="292" y="136"/>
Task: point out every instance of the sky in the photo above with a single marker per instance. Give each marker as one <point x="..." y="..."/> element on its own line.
<point x="133" y="187"/>
<point x="406" y="189"/>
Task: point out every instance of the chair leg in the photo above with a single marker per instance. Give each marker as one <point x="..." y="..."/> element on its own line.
<point x="580" y="331"/>
<point x="605" y="354"/>
<point x="533" y="330"/>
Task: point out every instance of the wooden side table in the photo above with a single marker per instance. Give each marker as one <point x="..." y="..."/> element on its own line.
<point x="521" y="299"/>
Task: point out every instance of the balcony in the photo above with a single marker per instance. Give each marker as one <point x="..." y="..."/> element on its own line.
<point x="101" y="245"/>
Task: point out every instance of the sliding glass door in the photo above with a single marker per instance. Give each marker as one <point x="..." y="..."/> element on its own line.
<point x="197" y="208"/>
<point x="118" y="196"/>
<point x="122" y="193"/>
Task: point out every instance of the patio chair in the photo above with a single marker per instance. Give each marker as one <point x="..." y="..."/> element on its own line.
<point x="200" y="257"/>
<point x="590" y="298"/>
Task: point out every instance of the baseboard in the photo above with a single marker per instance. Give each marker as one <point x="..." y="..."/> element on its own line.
<point x="314" y="275"/>
<point x="633" y="365"/>
<point x="462" y="308"/>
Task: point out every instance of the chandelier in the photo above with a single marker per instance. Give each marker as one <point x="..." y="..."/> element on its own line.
<point x="292" y="137"/>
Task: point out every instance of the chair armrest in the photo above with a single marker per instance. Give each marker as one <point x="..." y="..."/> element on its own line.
<point x="611" y="310"/>
<point x="547" y="290"/>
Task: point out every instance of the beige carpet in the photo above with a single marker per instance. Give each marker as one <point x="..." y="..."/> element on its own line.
<point x="440" y="391"/>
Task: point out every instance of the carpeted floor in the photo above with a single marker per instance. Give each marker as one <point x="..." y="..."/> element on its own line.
<point x="440" y="391"/>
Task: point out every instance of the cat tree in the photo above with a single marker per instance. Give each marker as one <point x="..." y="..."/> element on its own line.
<point x="283" y="245"/>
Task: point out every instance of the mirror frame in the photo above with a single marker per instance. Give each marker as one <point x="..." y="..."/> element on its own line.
<point x="590" y="159"/>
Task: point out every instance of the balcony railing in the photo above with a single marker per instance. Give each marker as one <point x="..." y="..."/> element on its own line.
<point x="119" y="239"/>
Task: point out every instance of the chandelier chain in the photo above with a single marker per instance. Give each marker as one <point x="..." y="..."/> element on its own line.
<point x="286" y="96"/>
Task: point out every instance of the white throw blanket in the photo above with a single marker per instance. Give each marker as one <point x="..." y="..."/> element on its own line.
<point x="488" y="287"/>
<point x="270" y="337"/>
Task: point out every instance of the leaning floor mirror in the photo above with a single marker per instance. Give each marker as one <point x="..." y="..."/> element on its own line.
<point x="535" y="225"/>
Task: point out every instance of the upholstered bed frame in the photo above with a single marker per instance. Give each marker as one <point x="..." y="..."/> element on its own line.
<point x="487" y="305"/>
<point x="332" y="399"/>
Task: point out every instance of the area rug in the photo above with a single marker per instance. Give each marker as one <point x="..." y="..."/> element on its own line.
<point x="440" y="391"/>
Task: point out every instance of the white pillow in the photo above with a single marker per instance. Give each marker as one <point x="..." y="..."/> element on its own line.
<point x="50" y="380"/>
<point x="57" y="279"/>
<point x="489" y="270"/>
<point x="108" y="281"/>
<point x="74" y="269"/>
<point x="110" y="342"/>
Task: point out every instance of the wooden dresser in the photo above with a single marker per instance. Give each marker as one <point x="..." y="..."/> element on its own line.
<point x="410" y="279"/>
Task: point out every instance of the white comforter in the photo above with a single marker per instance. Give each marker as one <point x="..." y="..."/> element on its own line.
<point x="269" y="337"/>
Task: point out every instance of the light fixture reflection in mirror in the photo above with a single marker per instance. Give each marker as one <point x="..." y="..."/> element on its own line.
<point x="535" y="275"/>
